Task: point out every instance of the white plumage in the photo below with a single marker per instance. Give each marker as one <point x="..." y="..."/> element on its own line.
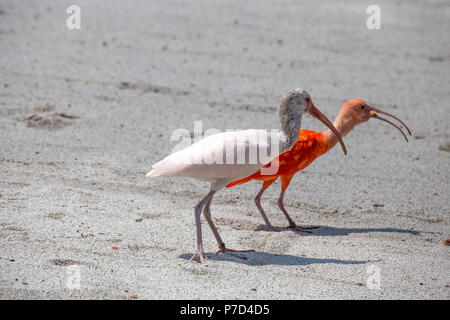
<point x="221" y="158"/>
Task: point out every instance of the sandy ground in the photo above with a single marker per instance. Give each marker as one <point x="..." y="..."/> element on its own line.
<point x="85" y="113"/>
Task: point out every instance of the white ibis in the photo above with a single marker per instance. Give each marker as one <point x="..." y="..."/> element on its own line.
<point x="229" y="156"/>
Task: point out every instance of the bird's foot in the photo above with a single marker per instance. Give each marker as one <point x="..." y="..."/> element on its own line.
<point x="200" y="255"/>
<point x="223" y="249"/>
<point x="295" y="227"/>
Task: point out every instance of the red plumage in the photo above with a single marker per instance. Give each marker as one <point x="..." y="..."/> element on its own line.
<point x="309" y="146"/>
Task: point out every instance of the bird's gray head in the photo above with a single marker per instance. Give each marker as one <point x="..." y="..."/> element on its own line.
<point x="295" y="99"/>
<point x="292" y="106"/>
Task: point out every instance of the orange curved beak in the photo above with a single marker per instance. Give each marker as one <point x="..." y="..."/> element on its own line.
<point x="374" y="113"/>
<point x="312" y="110"/>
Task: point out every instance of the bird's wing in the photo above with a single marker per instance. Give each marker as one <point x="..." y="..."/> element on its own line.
<point x="308" y="147"/>
<point x="221" y="156"/>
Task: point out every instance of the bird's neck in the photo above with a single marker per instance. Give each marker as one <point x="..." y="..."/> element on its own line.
<point x="290" y="128"/>
<point x="343" y="125"/>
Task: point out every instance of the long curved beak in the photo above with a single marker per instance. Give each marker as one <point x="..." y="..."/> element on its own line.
<point x="312" y="110"/>
<point x="374" y="113"/>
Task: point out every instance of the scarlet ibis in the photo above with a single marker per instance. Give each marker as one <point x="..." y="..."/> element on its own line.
<point x="197" y="161"/>
<point x="309" y="146"/>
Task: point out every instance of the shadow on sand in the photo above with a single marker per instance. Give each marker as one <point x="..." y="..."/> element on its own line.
<point x="332" y="231"/>
<point x="257" y="258"/>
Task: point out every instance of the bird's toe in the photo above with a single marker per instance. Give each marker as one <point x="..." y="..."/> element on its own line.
<point x="269" y="228"/>
<point x="200" y="256"/>
<point x="301" y="228"/>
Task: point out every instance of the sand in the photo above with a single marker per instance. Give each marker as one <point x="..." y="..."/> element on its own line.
<point x="85" y="113"/>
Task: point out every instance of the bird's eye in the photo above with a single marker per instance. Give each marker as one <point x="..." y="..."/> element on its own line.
<point x="307" y="100"/>
<point x="362" y="107"/>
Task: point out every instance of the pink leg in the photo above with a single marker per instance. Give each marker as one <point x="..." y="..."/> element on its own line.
<point x="257" y="200"/>
<point x="222" y="249"/>
<point x="200" y="254"/>
<point x="292" y="225"/>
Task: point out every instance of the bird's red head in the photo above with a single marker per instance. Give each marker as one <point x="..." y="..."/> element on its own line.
<point x="359" y="111"/>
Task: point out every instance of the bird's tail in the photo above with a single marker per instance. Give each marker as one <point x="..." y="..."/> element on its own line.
<point x="157" y="169"/>
<point x="241" y="181"/>
<point x="152" y="173"/>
